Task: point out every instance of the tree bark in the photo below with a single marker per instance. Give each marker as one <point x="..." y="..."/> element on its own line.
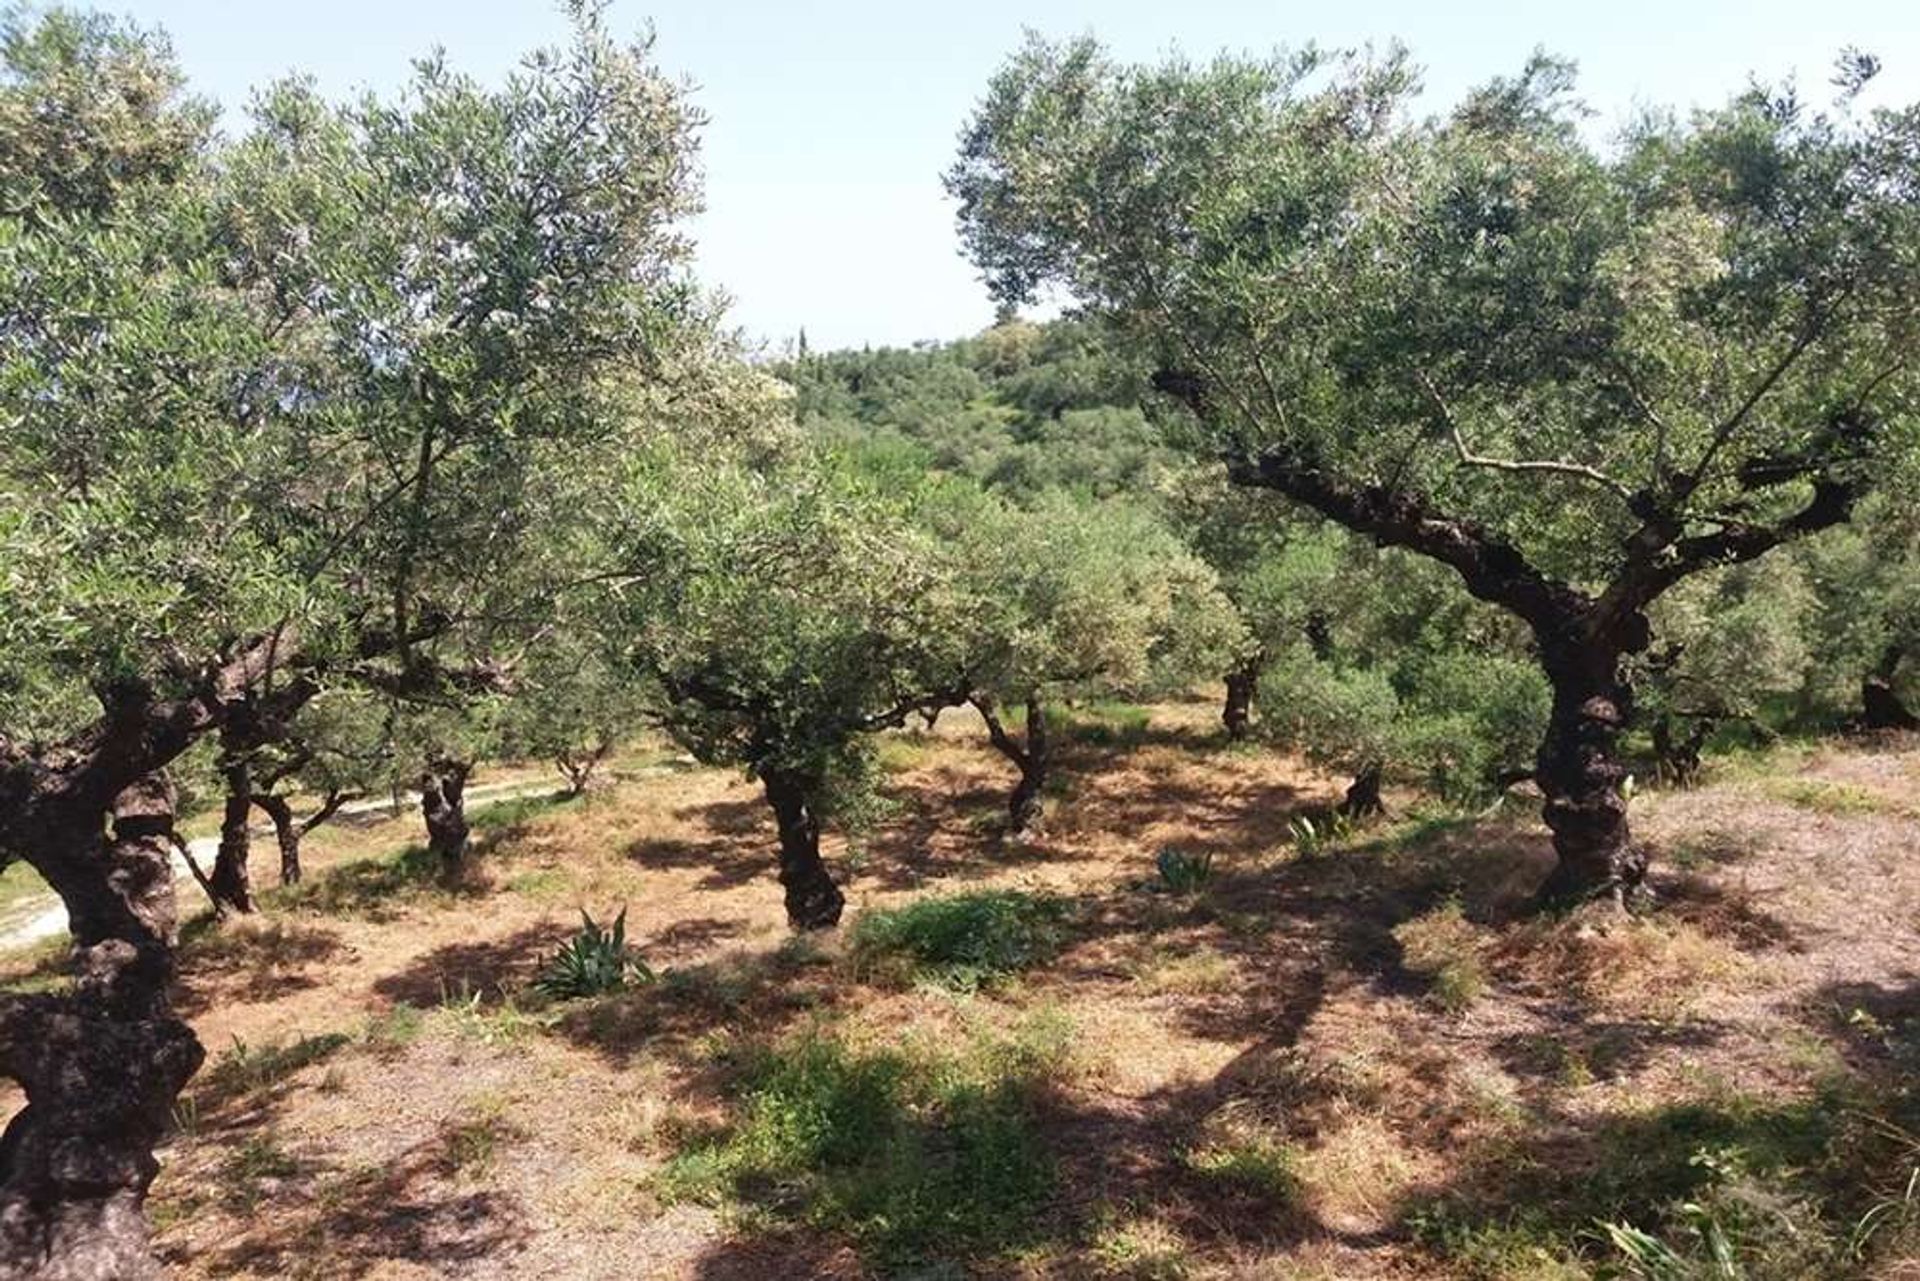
<point x="231" y="884"/>
<point x="288" y="831"/>
<point x="100" y="1068"/>
<point x="443" y="804"/>
<point x="814" y="902"/>
<point x="1243" y="682"/>
<point x="1881" y="706"/>
<point x="1580" y="772"/>
<point x="1033" y="759"/>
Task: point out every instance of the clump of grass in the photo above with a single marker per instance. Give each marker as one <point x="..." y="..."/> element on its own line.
<point x="911" y="1156"/>
<point x="595" y="961"/>
<point x="389" y="1033"/>
<point x="1519" y="1246"/>
<point x="1250" y="1162"/>
<point x="959" y="941"/>
<point x="1199" y="973"/>
<point x="1140" y="1249"/>
<point x="1312" y="838"/>
<point x="470" y="1141"/>
<point x="249" y="1171"/>
<point x="1443" y="947"/>
<point x="245" y="1069"/>
<point x="1181" y="872"/>
<point x="1108" y="724"/>
<point x="376" y="889"/>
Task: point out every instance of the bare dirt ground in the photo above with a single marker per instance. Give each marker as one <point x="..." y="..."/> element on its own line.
<point x="383" y="1099"/>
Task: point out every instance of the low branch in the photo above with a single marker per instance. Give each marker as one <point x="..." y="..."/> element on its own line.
<point x="1579" y="471"/>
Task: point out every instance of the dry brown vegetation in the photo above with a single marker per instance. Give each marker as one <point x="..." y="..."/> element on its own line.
<point x="1364" y="1064"/>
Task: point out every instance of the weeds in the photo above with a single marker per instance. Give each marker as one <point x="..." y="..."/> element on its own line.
<point x="1183" y="873"/>
<point x="960" y="941"/>
<point x="911" y="1156"/>
<point x="246" y="1069"/>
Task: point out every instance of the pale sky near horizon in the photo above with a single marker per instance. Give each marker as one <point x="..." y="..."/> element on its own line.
<point x="830" y="123"/>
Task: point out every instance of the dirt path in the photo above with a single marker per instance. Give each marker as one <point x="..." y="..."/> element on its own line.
<point x="36" y="918"/>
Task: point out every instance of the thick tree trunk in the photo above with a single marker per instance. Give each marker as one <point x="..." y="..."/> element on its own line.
<point x="231" y="885"/>
<point x="1243" y="682"/>
<point x="1033" y="758"/>
<point x="100" y="1068"/>
<point x="1363" y="794"/>
<point x="814" y="902"/>
<point x="1881" y="707"/>
<point x="443" y="795"/>
<point x="1580" y="772"/>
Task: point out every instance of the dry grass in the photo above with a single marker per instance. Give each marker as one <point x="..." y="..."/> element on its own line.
<point x="1367" y="1064"/>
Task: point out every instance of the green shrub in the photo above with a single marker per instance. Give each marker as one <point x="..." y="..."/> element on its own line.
<point x="1183" y="873"/>
<point x="959" y="941"/>
<point x="595" y="960"/>
<point x="1312" y="839"/>
<point x="912" y="1157"/>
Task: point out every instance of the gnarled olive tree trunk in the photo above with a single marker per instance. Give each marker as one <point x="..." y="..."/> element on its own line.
<point x="1243" y="683"/>
<point x="101" y="1068"/>
<point x="288" y="831"/>
<point x="443" y="804"/>
<point x="814" y="902"/>
<point x="1580" y="771"/>
<point x="231" y="884"/>
<point x="1033" y="759"/>
<point x="1880" y="704"/>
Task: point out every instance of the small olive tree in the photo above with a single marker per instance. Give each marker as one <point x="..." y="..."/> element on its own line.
<point x="1073" y="599"/>
<point x="785" y="614"/>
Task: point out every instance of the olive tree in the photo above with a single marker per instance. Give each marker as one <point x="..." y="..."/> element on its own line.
<point x="1574" y="376"/>
<point x="282" y="415"/>
<point x="785" y="613"/>
<point x="572" y="704"/>
<point x="1073" y="599"/>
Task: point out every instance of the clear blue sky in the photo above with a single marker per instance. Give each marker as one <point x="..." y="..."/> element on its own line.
<point x="831" y="122"/>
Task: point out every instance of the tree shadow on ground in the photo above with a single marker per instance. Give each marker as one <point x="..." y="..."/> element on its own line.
<point x="250" y="960"/>
<point x="487" y="970"/>
<point x="350" y="1223"/>
<point x="735" y="845"/>
<point x="751" y="995"/>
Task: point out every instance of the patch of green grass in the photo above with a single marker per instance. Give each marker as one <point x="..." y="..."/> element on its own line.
<point x="1258" y="1164"/>
<point x="375" y="888"/>
<point x="1443" y="947"/>
<point x="19" y="881"/>
<point x="250" y="1168"/>
<point x="513" y="811"/>
<point x="1517" y="1246"/>
<point x="544" y="884"/>
<point x="1106" y="724"/>
<point x="1726" y="1185"/>
<point x="915" y="1157"/>
<point x="470" y="1141"/>
<point x="959" y="941"/>
<point x="1824" y="796"/>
